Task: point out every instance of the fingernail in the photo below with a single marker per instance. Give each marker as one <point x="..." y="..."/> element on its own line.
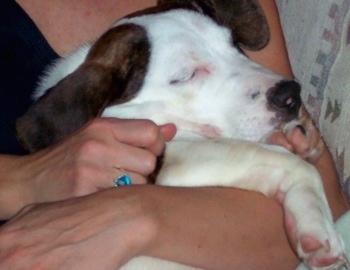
<point x="302" y="129"/>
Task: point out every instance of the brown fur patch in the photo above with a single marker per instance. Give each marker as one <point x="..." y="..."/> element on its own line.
<point x="114" y="69"/>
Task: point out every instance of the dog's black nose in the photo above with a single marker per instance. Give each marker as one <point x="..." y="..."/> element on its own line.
<point x="285" y="96"/>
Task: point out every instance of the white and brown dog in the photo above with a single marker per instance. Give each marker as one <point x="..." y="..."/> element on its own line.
<point x="180" y="62"/>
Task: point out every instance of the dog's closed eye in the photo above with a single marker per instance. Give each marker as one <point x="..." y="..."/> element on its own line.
<point x="186" y="75"/>
<point x="182" y="77"/>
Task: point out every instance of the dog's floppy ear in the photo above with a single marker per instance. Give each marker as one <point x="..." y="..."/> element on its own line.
<point x="114" y="69"/>
<point x="245" y="18"/>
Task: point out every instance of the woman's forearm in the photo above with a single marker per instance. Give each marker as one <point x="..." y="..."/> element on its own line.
<point x="212" y="228"/>
<point x="218" y="228"/>
<point x="209" y="227"/>
<point x="334" y="193"/>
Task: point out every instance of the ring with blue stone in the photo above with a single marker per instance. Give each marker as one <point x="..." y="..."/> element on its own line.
<point x="123" y="180"/>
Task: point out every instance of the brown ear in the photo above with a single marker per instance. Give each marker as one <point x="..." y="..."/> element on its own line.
<point x="114" y="69"/>
<point x="245" y="18"/>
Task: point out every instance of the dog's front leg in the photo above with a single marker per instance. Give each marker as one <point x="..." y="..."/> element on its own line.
<point x="268" y="169"/>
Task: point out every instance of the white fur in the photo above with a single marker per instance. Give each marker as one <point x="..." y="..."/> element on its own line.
<point x="215" y="77"/>
<point x="60" y="69"/>
<point x="220" y="95"/>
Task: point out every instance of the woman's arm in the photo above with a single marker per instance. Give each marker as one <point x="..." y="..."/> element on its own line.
<point x="214" y="228"/>
<point x="218" y="228"/>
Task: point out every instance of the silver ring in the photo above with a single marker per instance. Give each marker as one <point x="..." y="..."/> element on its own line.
<point x="123" y="180"/>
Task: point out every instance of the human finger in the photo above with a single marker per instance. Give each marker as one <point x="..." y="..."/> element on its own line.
<point x="144" y="133"/>
<point x="129" y="158"/>
<point x="96" y="165"/>
<point x="168" y="131"/>
<point x="278" y="138"/>
<point x="123" y="178"/>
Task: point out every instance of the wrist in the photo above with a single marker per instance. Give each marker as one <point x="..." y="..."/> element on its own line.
<point x="136" y="224"/>
<point x="12" y="190"/>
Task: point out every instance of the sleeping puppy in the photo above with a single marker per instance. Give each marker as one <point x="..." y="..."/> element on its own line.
<point x="181" y="62"/>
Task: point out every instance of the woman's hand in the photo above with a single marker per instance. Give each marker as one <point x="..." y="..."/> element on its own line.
<point x="98" y="231"/>
<point x="84" y="163"/>
<point x="308" y="144"/>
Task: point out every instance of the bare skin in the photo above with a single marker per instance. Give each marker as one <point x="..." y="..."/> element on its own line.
<point x="84" y="163"/>
<point x="68" y="24"/>
<point x="105" y="229"/>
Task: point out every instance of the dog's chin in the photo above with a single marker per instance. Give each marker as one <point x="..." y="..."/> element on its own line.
<point x="197" y="135"/>
<point x="188" y="129"/>
<point x="187" y="135"/>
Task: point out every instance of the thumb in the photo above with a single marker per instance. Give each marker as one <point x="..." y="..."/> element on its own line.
<point x="168" y="131"/>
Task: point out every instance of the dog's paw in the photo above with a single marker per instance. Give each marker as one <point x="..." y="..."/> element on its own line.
<point x="317" y="243"/>
<point x="305" y="139"/>
<point x="319" y="254"/>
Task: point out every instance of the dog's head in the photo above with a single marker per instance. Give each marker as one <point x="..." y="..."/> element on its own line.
<point x="178" y="62"/>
